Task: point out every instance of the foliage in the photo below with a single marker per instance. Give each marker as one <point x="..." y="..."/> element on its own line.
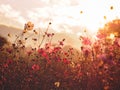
<point x="57" y="67"/>
<point x="112" y="27"/>
<point x="3" y="41"/>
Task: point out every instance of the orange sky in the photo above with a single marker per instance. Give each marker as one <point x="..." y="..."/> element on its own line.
<point x="64" y="14"/>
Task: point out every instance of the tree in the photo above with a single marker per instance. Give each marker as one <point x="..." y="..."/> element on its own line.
<point x="112" y="27"/>
<point x="3" y="41"/>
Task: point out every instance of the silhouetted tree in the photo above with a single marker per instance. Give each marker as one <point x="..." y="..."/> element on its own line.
<point x="112" y="27"/>
<point x="3" y="41"/>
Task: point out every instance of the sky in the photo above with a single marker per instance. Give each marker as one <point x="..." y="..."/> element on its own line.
<point x="71" y="16"/>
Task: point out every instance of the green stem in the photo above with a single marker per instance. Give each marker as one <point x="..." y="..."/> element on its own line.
<point x="43" y="37"/>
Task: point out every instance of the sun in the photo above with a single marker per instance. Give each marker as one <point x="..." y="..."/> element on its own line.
<point x="92" y="22"/>
<point x="96" y="14"/>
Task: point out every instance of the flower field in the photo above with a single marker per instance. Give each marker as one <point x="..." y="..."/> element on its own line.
<point x="94" y="66"/>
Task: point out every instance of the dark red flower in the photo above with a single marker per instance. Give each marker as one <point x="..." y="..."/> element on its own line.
<point x="9" y="50"/>
<point x="29" y="53"/>
<point x="5" y="65"/>
<point x="9" y="61"/>
<point x="40" y="50"/>
<point x="66" y="61"/>
<point x="48" y="35"/>
<point x="61" y="43"/>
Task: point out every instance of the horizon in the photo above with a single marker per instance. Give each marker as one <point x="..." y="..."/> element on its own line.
<point x="71" y="17"/>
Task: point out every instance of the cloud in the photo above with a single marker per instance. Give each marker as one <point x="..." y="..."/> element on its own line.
<point x="61" y="17"/>
<point x="60" y="3"/>
<point x="9" y="16"/>
<point x="64" y="14"/>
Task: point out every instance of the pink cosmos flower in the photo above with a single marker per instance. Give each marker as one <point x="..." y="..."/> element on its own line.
<point x="118" y="41"/>
<point x="56" y="49"/>
<point x="86" y="41"/>
<point x="78" y="65"/>
<point x="48" y="47"/>
<point x="101" y="36"/>
<point x="35" y="67"/>
<point x="66" y="61"/>
<point x="111" y="48"/>
<point x="44" y="54"/>
<point x="86" y="51"/>
<point x="102" y="57"/>
<point x="40" y="50"/>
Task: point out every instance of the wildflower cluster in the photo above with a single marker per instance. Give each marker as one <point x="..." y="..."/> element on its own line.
<point x="58" y="67"/>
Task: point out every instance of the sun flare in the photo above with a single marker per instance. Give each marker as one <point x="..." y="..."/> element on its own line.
<point x="96" y="13"/>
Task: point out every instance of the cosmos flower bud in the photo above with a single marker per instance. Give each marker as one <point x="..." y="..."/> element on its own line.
<point x="111" y="7"/>
<point x="50" y="23"/>
<point x="81" y="12"/>
<point x="105" y="17"/>
<point x="9" y="35"/>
